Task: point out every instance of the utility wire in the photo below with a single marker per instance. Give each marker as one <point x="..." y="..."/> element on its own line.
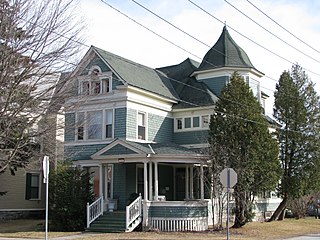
<point x="181" y="30"/>
<point x="192" y="104"/>
<point x="271" y="32"/>
<point x="283" y="58"/>
<point x="283" y="27"/>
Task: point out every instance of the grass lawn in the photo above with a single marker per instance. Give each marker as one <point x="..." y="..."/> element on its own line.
<point x="251" y="231"/>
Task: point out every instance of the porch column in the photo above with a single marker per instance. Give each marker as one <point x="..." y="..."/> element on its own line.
<point x="187" y="182"/>
<point x="201" y="182"/>
<point x="100" y="180"/>
<point x="156" y="181"/>
<point x="191" y="182"/>
<point x="150" y="181"/>
<point x="145" y="179"/>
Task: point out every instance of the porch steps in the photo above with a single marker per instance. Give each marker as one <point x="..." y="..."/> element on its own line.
<point x="109" y="222"/>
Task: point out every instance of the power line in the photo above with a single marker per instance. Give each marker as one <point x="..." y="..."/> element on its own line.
<point x="271" y="32"/>
<point x="283" y="58"/>
<point x="283" y="27"/>
<point x="192" y="104"/>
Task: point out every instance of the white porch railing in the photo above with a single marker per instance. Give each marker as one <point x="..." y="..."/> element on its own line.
<point x="169" y="216"/>
<point x="134" y="214"/>
<point x="175" y="225"/>
<point x="94" y="210"/>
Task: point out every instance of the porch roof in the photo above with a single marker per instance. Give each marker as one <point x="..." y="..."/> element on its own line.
<point x="121" y="148"/>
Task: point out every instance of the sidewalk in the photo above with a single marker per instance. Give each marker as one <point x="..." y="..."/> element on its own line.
<point x="70" y="237"/>
<point x="307" y="237"/>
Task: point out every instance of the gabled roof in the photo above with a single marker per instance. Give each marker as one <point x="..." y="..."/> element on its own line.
<point x="138" y="75"/>
<point x="225" y="53"/>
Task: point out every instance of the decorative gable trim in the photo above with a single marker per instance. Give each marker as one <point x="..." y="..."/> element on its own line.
<point x="117" y="148"/>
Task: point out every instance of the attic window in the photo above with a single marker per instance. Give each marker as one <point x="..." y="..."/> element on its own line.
<point x="95" y="84"/>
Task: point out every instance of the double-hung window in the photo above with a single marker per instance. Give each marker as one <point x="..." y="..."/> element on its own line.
<point x="94" y="119"/>
<point x="109" y="123"/>
<point x="33" y="186"/>
<point x="141" y="126"/>
<point x="80" y="126"/>
<point x="94" y="125"/>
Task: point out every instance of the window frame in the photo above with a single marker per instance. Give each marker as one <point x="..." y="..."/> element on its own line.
<point x="86" y="125"/>
<point x="28" y="189"/>
<point x="145" y="117"/>
<point x="180" y="123"/>
<point x="93" y="78"/>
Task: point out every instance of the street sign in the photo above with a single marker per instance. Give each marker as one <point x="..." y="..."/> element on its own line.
<point x="228" y="177"/>
<point x="45" y="166"/>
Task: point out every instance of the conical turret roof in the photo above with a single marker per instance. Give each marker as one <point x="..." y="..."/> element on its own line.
<point x="225" y="53"/>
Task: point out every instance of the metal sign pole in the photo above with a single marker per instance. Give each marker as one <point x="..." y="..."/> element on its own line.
<point x="45" y="166"/>
<point x="228" y="187"/>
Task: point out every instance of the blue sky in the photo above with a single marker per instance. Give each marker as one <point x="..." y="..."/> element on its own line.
<point x="111" y="31"/>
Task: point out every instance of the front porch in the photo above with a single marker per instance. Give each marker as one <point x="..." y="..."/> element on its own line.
<point x="167" y="179"/>
<point x="157" y="215"/>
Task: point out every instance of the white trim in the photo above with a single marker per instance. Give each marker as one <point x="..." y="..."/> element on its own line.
<point x="184" y="129"/>
<point x="97" y="155"/>
<point x="145" y="92"/>
<point x="145" y="125"/>
<point x="228" y="70"/>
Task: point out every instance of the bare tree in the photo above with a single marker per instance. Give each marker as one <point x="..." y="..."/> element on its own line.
<point x="39" y="39"/>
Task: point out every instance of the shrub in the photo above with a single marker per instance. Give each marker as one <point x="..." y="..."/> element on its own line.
<point x="69" y="191"/>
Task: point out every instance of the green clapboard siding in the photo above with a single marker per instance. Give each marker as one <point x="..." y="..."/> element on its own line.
<point x="120" y="123"/>
<point x="191" y="137"/>
<point x="178" y="212"/>
<point x="216" y="84"/>
<point x="119" y="185"/>
<point x="159" y="128"/>
<point x="131" y="130"/>
<point x="119" y="150"/>
<point x="70" y="122"/>
<point x="82" y="152"/>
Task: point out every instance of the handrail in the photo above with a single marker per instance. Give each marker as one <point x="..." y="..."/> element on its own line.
<point x="94" y="210"/>
<point x="133" y="211"/>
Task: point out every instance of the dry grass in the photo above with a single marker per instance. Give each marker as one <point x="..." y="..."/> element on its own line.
<point x="252" y="231"/>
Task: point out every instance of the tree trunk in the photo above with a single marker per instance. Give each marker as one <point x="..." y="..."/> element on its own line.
<point x="239" y="211"/>
<point x="280" y="209"/>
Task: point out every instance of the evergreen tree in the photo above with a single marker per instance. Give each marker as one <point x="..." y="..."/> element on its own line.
<point x="239" y="138"/>
<point x="297" y="110"/>
<point x="70" y="191"/>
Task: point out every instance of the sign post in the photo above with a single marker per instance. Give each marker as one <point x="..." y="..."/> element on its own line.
<point x="228" y="178"/>
<point x="45" y="166"/>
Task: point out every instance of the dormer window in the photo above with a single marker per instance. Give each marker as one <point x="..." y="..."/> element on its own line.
<point x="95" y="82"/>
